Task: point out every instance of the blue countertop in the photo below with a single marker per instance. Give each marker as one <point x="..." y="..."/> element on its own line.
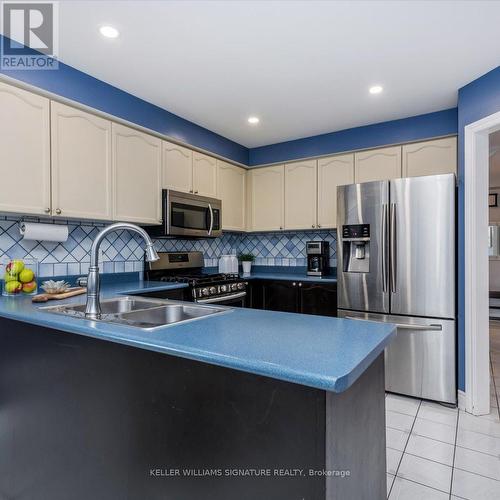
<point x="315" y="351"/>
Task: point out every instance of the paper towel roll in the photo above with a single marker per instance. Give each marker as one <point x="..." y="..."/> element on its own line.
<point x="43" y="232"/>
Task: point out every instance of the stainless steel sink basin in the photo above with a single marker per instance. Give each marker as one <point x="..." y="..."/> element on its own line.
<point x="168" y="315"/>
<point x="141" y="312"/>
<point x="117" y="305"/>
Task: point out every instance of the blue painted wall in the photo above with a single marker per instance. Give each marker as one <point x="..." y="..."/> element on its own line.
<point x="85" y="89"/>
<point x="78" y="86"/>
<point x="476" y="100"/>
<point x="393" y="132"/>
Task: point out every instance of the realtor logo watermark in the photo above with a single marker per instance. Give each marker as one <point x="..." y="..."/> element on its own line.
<point x="30" y="38"/>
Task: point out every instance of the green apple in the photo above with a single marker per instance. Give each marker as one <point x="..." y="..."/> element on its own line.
<point x="15" y="266"/>
<point x="29" y="287"/>
<point x="26" y="275"/>
<point x="13" y="287"/>
<point x="9" y="277"/>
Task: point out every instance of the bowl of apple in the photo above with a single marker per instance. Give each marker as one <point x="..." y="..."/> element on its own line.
<point x="19" y="277"/>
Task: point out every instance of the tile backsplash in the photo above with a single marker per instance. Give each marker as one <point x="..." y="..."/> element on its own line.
<point x="285" y="248"/>
<point x="123" y="251"/>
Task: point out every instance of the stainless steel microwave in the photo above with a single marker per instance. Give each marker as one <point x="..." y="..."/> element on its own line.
<point x="188" y="215"/>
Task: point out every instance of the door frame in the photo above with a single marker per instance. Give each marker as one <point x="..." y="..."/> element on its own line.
<point x="476" y="219"/>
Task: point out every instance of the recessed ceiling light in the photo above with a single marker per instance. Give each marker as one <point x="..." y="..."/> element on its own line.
<point x="253" y="120"/>
<point x="376" y="89"/>
<point x="109" y="32"/>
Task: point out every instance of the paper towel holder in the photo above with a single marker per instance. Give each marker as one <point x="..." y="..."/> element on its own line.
<point x="35" y="230"/>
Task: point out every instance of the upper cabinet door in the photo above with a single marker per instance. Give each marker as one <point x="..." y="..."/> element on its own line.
<point x="267" y="204"/>
<point x="332" y="172"/>
<point x="137" y="175"/>
<point x="204" y="175"/>
<point x="430" y="157"/>
<point x="301" y="195"/>
<point x="81" y="164"/>
<point x="377" y="164"/>
<point x="24" y="151"/>
<point x="231" y="190"/>
<point x="177" y="170"/>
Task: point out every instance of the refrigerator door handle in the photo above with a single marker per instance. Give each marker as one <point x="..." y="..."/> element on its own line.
<point x="385" y="274"/>
<point x="393" y="248"/>
<point x="404" y="326"/>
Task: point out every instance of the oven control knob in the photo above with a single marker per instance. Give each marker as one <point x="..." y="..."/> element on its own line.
<point x="223" y="288"/>
<point x="205" y="292"/>
<point x="241" y="286"/>
<point x="234" y="286"/>
<point x="213" y="290"/>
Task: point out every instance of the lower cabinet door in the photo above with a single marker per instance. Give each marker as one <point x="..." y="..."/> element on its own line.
<point x="318" y="298"/>
<point x="280" y="296"/>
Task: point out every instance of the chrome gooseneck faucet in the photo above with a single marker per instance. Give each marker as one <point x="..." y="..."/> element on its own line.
<point x="93" y="309"/>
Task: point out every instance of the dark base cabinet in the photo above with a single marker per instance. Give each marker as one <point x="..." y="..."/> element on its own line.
<point x="318" y="298"/>
<point x="87" y="419"/>
<point x="294" y="296"/>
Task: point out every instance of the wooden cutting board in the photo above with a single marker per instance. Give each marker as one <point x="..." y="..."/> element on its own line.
<point x="71" y="292"/>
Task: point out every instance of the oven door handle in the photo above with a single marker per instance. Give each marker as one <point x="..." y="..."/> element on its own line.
<point x="210" y="229"/>
<point x="222" y="298"/>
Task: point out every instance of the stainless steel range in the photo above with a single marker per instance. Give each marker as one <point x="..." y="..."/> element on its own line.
<point x="187" y="267"/>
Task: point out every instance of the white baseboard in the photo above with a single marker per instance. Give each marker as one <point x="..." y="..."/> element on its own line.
<point x="461" y="400"/>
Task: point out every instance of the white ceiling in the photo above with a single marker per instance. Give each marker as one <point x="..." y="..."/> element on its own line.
<point x="303" y="67"/>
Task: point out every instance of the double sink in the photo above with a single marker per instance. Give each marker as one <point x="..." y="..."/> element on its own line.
<point x="141" y="312"/>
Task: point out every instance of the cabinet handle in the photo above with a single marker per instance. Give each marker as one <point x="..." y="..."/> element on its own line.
<point x="58" y="211"/>
<point x="281" y="227"/>
<point x="190" y="190"/>
<point x="196" y="192"/>
<point x="319" y="226"/>
<point x="294" y="284"/>
<point x="47" y="210"/>
<point x="313" y="226"/>
<point x="300" y="284"/>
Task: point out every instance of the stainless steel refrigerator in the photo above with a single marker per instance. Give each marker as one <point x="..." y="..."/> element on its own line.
<point x="396" y="263"/>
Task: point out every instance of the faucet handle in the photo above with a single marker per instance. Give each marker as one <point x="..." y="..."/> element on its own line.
<point x="81" y="281"/>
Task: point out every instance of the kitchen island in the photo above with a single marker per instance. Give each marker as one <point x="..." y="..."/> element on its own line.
<point x="242" y="405"/>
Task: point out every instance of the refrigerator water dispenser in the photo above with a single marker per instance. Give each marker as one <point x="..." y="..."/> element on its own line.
<point x="356" y="248"/>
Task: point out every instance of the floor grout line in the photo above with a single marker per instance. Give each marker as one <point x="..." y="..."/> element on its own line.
<point x="454" y="453"/>
<point x="476" y="474"/>
<point x="406" y="444"/>
<point x="421" y="484"/>
<point x="494" y="384"/>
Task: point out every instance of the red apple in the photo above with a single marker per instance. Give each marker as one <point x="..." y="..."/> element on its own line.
<point x="29" y="287"/>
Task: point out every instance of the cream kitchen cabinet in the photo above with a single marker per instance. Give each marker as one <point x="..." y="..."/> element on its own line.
<point x="204" y="175"/>
<point x="267" y="198"/>
<point x="231" y="189"/>
<point x="301" y="195"/>
<point x="188" y="171"/>
<point x="332" y="172"/>
<point x="24" y="151"/>
<point x="81" y="164"/>
<point x="377" y="164"/>
<point x="136" y="176"/>
<point x="430" y="157"/>
<point x="177" y="171"/>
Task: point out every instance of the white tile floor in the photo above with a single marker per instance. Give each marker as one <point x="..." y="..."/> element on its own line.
<point x="436" y="452"/>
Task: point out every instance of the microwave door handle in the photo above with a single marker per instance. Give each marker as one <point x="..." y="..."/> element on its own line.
<point x="210" y="229"/>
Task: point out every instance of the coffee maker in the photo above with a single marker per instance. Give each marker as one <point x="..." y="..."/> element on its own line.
<point x="318" y="258"/>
